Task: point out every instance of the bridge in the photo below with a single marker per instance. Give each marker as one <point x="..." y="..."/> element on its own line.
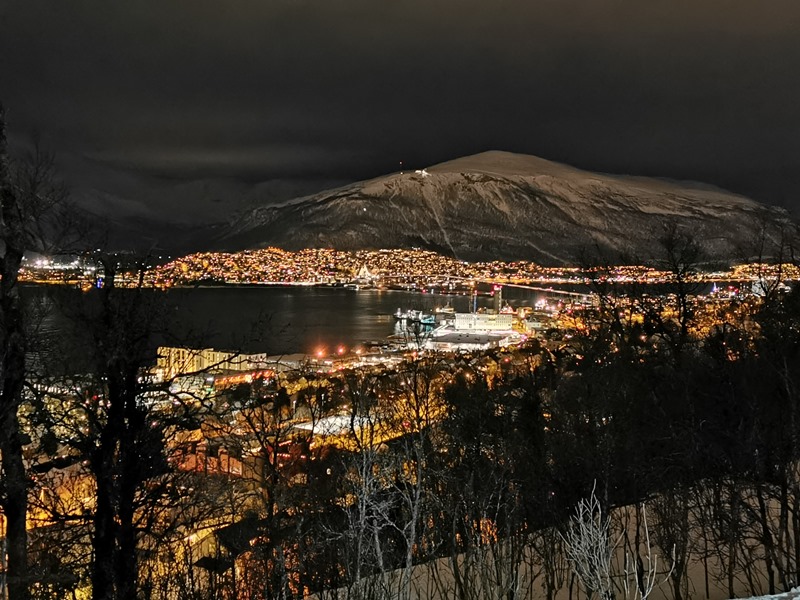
<point x="589" y="298"/>
<point x="555" y="292"/>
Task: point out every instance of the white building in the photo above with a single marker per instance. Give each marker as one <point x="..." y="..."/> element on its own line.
<point x="465" y="341"/>
<point x="483" y="322"/>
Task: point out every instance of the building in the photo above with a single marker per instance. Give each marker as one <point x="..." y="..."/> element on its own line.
<point x="483" y="322"/>
<point x="179" y="361"/>
<point x="183" y="361"/>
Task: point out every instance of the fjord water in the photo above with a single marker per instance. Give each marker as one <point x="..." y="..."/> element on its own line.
<point x="276" y="319"/>
<point x="282" y="319"/>
<point x="272" y="319"/>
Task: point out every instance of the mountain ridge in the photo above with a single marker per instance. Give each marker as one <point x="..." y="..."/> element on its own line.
<point x="508" y="206"/>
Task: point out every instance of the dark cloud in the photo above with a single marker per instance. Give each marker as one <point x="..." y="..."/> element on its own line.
<point x="320" y="91"/>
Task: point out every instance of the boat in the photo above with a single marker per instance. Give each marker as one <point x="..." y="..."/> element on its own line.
<point x="445" y="310"/>
<point x="415" y="316"/>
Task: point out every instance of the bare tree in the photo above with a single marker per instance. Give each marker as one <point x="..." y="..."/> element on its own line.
<point x="14" y="490"/>
<point x="641" y="567"/>
<point x="366" y="499"/>
<point x="116" y="424"/>
<point x="34" y="215"/>
<point x="590" y="546"/>
<point x="548" y="555"/>
<point x="682" y="253"/>
<point x="673" y="533"/>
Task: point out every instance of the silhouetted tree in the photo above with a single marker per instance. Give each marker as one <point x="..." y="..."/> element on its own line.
<point x="14" y="491"/>
<point x="34" y="216"/>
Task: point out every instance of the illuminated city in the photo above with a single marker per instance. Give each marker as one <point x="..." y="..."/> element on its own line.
<point x="416" y="300"/>
<point x="267" y="428"/>
<point x="405" y="269"/>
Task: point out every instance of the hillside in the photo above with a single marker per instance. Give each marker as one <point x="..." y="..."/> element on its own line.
<point x="509" y="206"/>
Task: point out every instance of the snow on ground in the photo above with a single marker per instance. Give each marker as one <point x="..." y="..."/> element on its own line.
<point x="793" y="594"/>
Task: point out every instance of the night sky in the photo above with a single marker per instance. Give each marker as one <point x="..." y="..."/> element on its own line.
<point x="147" y="101"/>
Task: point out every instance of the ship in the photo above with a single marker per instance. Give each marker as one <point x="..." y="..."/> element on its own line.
<point x="415" y="316"/>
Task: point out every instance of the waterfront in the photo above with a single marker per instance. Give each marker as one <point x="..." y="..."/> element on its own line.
<point x="284" y="319"/>
<point x="299" y="319"/>
<point x="306" y="319"/>
<point x="306" y="426"/>
<point x="274" y="319"/>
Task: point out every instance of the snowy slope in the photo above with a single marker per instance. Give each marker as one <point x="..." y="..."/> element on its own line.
<point x="794" y="594"/>
<point x="508" y="206"/>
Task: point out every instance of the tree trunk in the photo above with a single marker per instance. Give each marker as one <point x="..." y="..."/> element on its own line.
<point x="105" y="522"/>
<point x="130" y="480"/>
<point x="15" y="484"/>
<point x="103" y="538"/>
<point x="115" y="463"/>
<point x="796" y="530"/>
<point x="766" y="538"/>
<point x="15" y="509"/>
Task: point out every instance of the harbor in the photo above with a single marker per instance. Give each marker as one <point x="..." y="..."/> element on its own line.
<point x="446" y="330"/>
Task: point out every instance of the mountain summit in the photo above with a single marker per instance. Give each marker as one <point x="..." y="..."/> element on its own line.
<point x="499" y="205"/>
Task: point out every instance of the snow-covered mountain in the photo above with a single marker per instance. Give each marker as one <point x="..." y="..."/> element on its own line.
<point x="510" y="206"/>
